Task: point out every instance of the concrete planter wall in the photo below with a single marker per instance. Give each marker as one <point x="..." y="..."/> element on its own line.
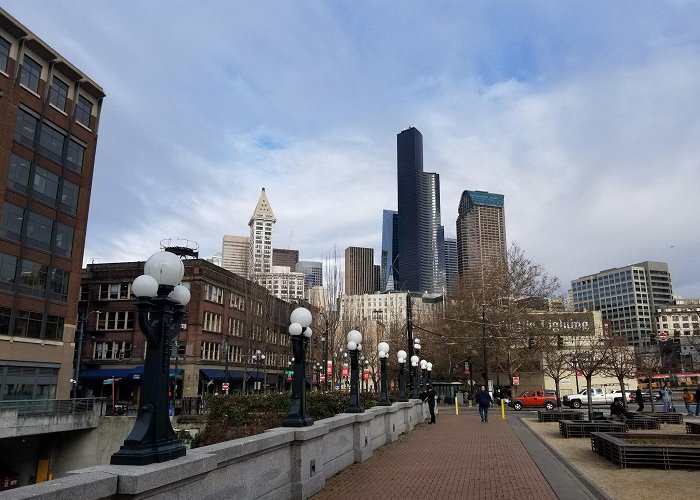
<point x="282" y="463"/>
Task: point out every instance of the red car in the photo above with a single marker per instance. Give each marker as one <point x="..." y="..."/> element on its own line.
<point x="537" y="398"/>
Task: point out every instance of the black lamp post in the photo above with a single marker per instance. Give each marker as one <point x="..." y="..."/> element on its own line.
<point x="81" y="331"/>
<point x="383" y="348"/>
<point x="423" y="370"/>
<point x="354" y="346"/>
<point x="317" y="374"/>
<point x="414" y="376"/>
<point x="258" y="358"/>
<point x="225" y="346"/>
<point x="160" y="311"/>
<point x="429" y="367"/>
<point x="401" y="355"/>
<point x="362" y="366"/>
<point x="298" y="415"/>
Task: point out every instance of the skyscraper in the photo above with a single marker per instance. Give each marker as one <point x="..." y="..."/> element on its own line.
<point x="481" y="232"/>
<point x="451" y="270"/>
<point x="313" y="270"/>
<point x="360" y="273"/>
<point x="419" y="230"/>
<point x="235" y="254"/>
<point x="261" y="226"/>
<point x="49" y="121"/>
<point x="390" y="251"/>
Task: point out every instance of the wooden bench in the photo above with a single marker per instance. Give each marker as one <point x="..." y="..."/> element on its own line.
<point x="557" y="415"/>
<point x="692" y="427"/>
<point x="583" y="428"/>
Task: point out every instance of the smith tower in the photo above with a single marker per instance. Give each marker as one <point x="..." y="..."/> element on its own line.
<point x="420" y="235"/>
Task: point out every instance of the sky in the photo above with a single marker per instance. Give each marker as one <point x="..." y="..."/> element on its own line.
<point x="583" y="114"/>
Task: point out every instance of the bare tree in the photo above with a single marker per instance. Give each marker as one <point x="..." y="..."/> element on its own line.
<point x="592" y="354"/>
<point x="556" y="364"/>
<point x="648" y="363"/>
<point x="620" y="362"/>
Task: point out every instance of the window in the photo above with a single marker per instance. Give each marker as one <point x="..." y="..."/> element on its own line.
<point x="113" y="350"/>
<point x="115" y="291"/>
<point x="51" y="142"/>
<point x="74" y="158"/>
<point x="83" y="110"/>
<point x="59" y="93"/>
<point x="31" y="73"/>
<point x="212" y="322"/>
<point x="58" y="287"/>
<point x="213" y="293"/>
<point x="11" y="222"/>
<point x="8" y="268"/>
<point x="25" y="128"/>
<point x="69" y="197"/>
<point x="116" y="320"/>
<point x="54" y="328"/>
<point x="4" y="54"/>
<point x="39" y="231"/>
<point x="28" y="324"/>
<point x="18" y="176"/>
<point x="5" y="313"/>
<point x="210" y="351"/>
<point x="34" y="276"/>
<point x="64" y="240"/>
<point x="45" y="186"/>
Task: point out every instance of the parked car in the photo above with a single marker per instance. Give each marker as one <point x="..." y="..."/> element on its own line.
<point x="537" y="398"/>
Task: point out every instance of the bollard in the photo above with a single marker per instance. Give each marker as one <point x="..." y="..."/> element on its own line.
<point x="503" y="409"/>
<point x="456" y="406"/>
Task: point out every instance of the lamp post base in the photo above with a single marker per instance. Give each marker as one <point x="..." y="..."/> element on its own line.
<point x="384" y="403"/>
<point x="148" y="453"/>
<point x="297" y="421"/>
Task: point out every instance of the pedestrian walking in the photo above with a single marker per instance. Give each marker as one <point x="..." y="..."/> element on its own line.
<point x="666" y="396"/>
<point x="484" y="399"/>
<point x="687" y="399"/>
<point x="429" y="396"/>
<point x="639" y="398"/>
<point x="697" y="401"/>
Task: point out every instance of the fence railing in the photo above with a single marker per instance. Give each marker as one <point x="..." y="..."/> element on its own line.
<point x="37" y="407"/>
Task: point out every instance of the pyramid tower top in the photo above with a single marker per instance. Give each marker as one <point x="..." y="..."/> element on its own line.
<point x="263" y="210"/>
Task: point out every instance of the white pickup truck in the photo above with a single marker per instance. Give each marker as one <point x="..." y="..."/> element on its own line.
<point x="598" y="397"/>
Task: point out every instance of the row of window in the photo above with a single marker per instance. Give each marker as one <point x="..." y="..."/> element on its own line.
<point x="30" y="324"/>
<point x="34" y="278"/>
<point x="112" y="350"/>
<point x="116" y="320"/>
<point x="39" y="231"/>
<point x="45" y="185"/>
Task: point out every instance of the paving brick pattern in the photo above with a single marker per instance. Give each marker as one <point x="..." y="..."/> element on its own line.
<point x="458" y="457"/>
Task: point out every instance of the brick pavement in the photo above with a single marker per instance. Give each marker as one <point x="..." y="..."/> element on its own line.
<point x="458" y="457"/>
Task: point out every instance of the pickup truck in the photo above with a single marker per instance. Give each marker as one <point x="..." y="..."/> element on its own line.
<point x="598" y="397"/>
<point x="535" y="399"/>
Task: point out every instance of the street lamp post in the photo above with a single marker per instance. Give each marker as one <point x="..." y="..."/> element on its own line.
<point x="429" y="367"/>
<point x="258" y="358"/>
<point x="401" y="355"/>
<point x="300" y="332"/>
<point x="414" y="376"/>
<point x="225" y="346"/>
<point x="383" y="348"/>
<point x="317" y="375"/>
<point x="354" y="339"/>
<point x="161" y="302"/>
<point x="423" y="368"/>
<point x="361" y="364"/>
<point x="81" y="331"/>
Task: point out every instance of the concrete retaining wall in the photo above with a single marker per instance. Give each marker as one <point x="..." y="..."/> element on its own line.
<point x="282" y="463"/>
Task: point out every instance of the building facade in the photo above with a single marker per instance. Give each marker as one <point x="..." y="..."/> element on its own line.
<point x="49" y="120"/>
<point x="627" y="297"/>
<point x="261" y="227"/>
<point x="419" y="225"/>
<point x="235" y="254"/>
<point x="390" y="251"/>
<point x="359" y="271"/>
<point x="451" y="267"/>
<point x="481" y="232"/>
<point x="313" y="270"/>
<point x="285" y="257"/>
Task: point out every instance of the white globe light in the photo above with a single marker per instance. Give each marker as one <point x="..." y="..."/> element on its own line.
<point x="307" y="332"/>
<point x="401" y="354"/>
<point x="295" y="329"/>
<point x="416" y="341"/>
<point x="352" y="346"/>
<point x="145" y="286"/>
<point x="416" y="346"/>
<point x="383" y="347"/>
<point x="181" y="295"/>
<point x="402" y="360"/>
<point x="354" y="336"/>
<point x="359" y="347"/>
<point x="415" y="359"/>
<point x="429" y="366"/>
<point x="423" y="364"/>
<point x="165" y="267"/>
<point x="413" y="363"/>
<point x="381" y="355"/>
<point x="301" y="315"/>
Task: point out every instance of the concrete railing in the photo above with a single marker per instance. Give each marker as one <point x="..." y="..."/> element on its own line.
<point x="33" y="417"/>
<point x="281" y="463"/>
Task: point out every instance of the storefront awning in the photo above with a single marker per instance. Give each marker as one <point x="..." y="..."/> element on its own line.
<point x="219" y="375"/>
<point x="104" y="373"/>
<point x="137" y="373"/>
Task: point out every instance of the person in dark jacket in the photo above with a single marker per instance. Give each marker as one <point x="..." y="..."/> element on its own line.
<point x="484" y="400"/>
<point x="429" y="395"/>
<point x="639" y="399"/>
<point x="617" y="410"/>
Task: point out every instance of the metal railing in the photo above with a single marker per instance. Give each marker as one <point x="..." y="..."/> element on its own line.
<point x="38" y="407"/>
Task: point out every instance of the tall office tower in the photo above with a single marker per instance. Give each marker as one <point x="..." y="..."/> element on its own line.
<point x="390" y="252"/>
<point x="451" y="270"/>
<point x="359" y="271"/>
<point x="284" y="257"/>
<point x="419" y="218"/>
<point x="481" y="233"/>
<point x="49" y="120"/>
<point x="235" y="253"/>
<point x="312" y="270"/>
<point x="627" y="296"/>
<point x="261" y="224"/>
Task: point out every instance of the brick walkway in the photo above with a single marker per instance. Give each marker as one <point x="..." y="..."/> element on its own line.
<point x="458" y="457"/>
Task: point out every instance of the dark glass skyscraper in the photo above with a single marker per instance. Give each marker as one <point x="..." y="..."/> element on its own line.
<point x="420" y="236"/>
<point x="390" y="250"/>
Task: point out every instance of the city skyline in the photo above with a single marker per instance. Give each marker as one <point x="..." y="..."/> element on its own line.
<point x="581" y="115"/>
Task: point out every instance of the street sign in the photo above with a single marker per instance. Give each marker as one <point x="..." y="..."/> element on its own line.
<point x="224" y="386"/>
<point x="663" y="336"/>
<point x="516" y="380"/>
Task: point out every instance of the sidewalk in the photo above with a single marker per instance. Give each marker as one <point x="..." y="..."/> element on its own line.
<point x="461" y="458"/>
